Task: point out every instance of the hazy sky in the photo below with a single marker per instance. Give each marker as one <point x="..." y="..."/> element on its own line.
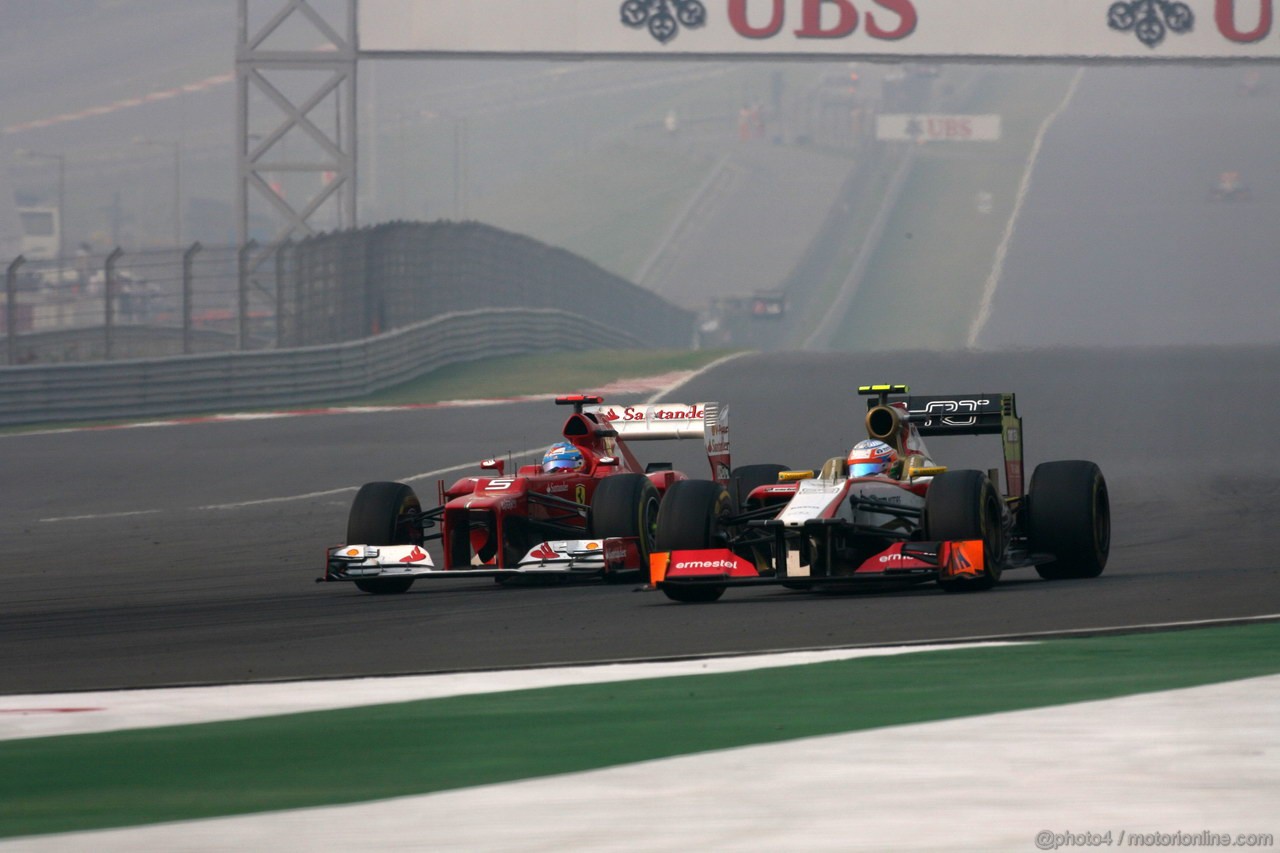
<point x="1114" y="240"/>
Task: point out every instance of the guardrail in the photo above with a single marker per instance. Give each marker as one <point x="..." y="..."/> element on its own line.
<point x="344" y="286"/>
<point x="244" y="380"/>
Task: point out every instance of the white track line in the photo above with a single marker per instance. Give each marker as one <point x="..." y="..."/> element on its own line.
<point x="122" y="104"/>
<point x="100" y="516"/>
<point x="689" y="377"/>
<point x="1182" y="763"/>
<point x="674" y="381"/>
<point x="49" y="714"/>
<point x="997" y="270"/>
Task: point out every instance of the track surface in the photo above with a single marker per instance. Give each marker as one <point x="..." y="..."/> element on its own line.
<point x="1119" y="239"/>
<point x="176" y="592"/>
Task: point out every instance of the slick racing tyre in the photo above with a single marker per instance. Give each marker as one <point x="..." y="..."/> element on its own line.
<point x="1069" y="516"/>
<point x="964" y="505"/>
<point x="375" y="519"/>
<point x="689" y="519"/>
<point x="747" y="478"/>
<point x="742" y="482"/>
<point x="626" y="506"/>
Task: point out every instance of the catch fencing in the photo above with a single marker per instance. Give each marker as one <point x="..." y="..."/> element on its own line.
<point x="163" y="302"/>
<point x="337" y="315"/>
<point x="333" y="287"/>
<point x="356" y="283"/>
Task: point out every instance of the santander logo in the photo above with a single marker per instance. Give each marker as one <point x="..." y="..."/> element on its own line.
<point x="416" y="555"/>
<point x="658" y="413"/>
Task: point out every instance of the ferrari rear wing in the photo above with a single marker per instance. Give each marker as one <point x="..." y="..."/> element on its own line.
<point x="708" y="421"/>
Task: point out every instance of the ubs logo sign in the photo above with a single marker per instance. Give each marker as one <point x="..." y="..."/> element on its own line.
<point x="663" y="18"/>
<point x="1151" y="19"/>
<point x="1151" y="22"/>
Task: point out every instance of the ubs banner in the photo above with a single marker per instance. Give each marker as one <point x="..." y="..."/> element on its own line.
<point x="941" y="29"/>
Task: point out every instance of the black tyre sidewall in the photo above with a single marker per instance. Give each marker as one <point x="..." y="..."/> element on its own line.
<point x="626" y="506"/>
<point x="963" y="505"/>
<point x="747" y="478"/>
<point x="689" y="518"/>
<point x="372" y="521"/>
<point x="374" y="511"/>
<point x="1069" y="516"/>
<point x="701" y="594"/>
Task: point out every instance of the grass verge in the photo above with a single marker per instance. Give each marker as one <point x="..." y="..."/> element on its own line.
<point x="125" y="778"/>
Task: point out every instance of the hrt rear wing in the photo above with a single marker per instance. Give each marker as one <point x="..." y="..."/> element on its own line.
<point x="708" y="421"/>
<point x="962" y="414"/>
<point x="967" y="414"/>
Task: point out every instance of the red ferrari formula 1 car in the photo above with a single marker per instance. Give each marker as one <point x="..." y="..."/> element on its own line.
<point x="896" y="518"/>
<point x="593" y="514"/>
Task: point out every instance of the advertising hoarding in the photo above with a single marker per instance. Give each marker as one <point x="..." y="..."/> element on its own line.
<point x="1113" y="30"/>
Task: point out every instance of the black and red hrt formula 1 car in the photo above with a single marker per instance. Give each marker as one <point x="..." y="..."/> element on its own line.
<point x="915" y="522"/>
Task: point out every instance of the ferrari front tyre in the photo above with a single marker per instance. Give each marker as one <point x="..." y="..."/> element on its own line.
<point x="625" y="506"/>
<point x="377" y="517"/>
<point x="690" y="520"/>
<point x="963" y="505"/>
<point x="1069" y="516"/>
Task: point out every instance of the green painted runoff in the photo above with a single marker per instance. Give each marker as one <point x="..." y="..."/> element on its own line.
<point x="80" y="782"/>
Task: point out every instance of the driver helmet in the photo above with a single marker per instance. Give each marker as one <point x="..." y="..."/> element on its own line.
<point x="562" y="456"/>
<point x="871" y="457"/>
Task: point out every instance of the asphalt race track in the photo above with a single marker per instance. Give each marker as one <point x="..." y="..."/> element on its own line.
<point x="139" y="557"/>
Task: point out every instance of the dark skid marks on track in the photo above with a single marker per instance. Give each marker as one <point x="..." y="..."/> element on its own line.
<point x="184" y="596"/>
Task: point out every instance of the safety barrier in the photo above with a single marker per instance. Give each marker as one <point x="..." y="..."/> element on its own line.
<point x="255" y="379"/>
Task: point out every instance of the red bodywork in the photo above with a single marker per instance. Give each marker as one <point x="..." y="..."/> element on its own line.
<point x="495" y="520"/>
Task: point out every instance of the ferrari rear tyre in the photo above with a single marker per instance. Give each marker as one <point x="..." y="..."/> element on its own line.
<point x="626" y="506"/>
<point x="747" y="478"/>
<point x="689" y="520"/>
<point x="964" y="505"/>
<point x="1069" y="516"/>
<point x="376" y="519"/>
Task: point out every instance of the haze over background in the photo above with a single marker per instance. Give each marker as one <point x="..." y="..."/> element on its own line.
<point x="1116" y="240"/>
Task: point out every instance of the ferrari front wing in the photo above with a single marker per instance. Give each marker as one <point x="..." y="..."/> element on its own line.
<point x="580" y="557"/>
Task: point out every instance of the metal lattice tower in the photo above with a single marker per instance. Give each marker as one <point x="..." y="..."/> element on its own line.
<point x="296" y="119"/>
